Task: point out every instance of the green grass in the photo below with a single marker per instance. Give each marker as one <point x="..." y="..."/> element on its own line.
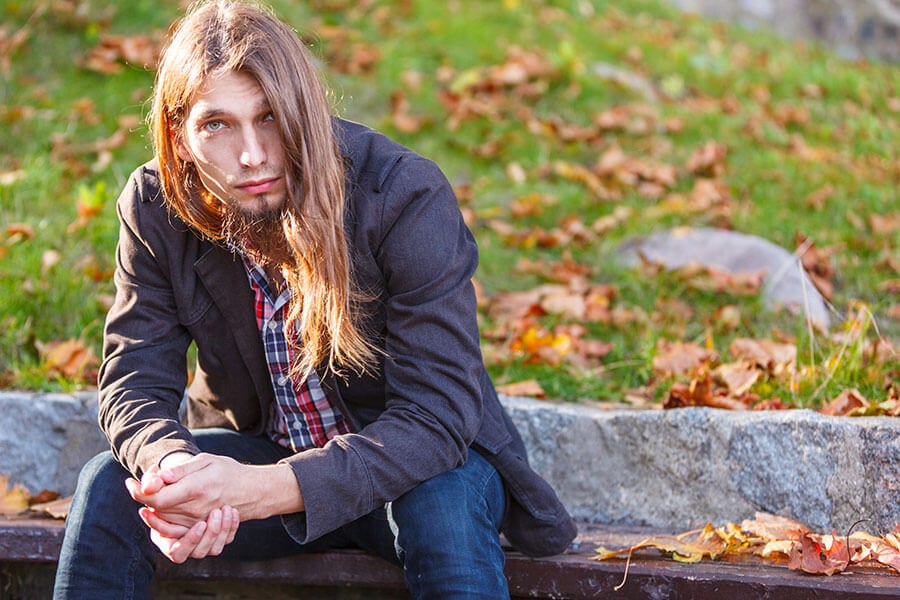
<point x="779" y="95"/>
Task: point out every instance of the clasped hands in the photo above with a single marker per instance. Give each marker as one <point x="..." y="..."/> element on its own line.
<point x="190" y="503"/>
<point x="193" y="505"/>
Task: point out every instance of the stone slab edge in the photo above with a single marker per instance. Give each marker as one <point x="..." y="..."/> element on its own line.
<point x="690" y="466"/>
<point x="669" y="469"/>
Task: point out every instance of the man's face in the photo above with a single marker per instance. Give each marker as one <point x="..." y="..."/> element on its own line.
<point x="231" y="137"/>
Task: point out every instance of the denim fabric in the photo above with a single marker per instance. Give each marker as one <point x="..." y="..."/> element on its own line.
<point x="444" y="533"/>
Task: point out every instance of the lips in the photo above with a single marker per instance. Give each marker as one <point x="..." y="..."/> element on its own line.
<point x="258" y="186"/>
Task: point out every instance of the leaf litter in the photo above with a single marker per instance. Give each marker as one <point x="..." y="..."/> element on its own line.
<point x="778" y="539"/>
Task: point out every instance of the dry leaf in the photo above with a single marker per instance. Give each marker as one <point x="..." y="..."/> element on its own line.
<point x="884" y="224"/>
<point x="775" y="358"/>
<point x="846" y="403"/>
<point x="523" y="388"/>
<point x="812" y="555"/>
<point x="16" y="232"/>
<point x="70" y="359"/>
<point x="57" y="508"/>
<point x="708" y="160"/>
<point x="13" y="500"/>
<point x="10" y="177"/>
<point x="736" y="377"/>
<point x="49" y="259"/>
<point x="676" y="358"/>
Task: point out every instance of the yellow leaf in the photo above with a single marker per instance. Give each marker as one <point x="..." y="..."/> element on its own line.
<point x="12" y="500"/>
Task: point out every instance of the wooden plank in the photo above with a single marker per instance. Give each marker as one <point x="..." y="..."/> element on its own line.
<point x="572" y="575"/>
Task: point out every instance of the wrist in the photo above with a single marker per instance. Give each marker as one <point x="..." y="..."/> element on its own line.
<point x="278" y="492"/>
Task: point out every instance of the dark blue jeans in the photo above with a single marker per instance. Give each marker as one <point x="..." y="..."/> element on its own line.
<point x="444" y="532"/>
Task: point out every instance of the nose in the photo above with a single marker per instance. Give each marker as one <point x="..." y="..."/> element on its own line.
<point x="253" y="151"/>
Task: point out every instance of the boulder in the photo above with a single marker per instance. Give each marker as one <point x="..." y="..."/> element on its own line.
<point x="785" y="284"/>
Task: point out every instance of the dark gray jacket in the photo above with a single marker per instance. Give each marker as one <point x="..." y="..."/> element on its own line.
<point x="431" y="400"/>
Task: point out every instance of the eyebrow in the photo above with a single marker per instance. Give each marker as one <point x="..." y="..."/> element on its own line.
<point x="213" y="112"/>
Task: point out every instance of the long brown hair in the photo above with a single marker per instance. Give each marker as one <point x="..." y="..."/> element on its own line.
<point x="239" y="36"/>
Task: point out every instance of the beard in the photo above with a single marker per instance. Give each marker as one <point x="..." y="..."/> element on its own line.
<point x="259" y="232"/>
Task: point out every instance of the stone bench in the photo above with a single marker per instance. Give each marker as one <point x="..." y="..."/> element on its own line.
<point x="29" y="549"/>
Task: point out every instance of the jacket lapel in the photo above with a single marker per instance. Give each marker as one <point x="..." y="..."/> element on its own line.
<point x="224" y="277"/>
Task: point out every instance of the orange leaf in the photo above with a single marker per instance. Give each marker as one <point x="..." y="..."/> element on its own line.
<point x="19" y="231"/>
<point x="847" y="402"/>
<point x="773" y="527"/>
<point x="57" y="508"/>
<point x="12" y="500"/>
<point x="523" y="388"/>
<point x="70" y="359"/>
<point x="815" y="555"/>
<point x="737" y="377"/>
<point x="774" y="357"/>
<point x="708" y="160"/>
<point x="675" y="358"/>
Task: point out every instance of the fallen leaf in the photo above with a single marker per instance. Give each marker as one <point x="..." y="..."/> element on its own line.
<point x="49" y="259"/>
<point x="768" y="526"/>
<point x="812" y="555"/>
<point x="529" y="388"/>
<point x="712" y="279"/>
<point x="884" y="224"/>
<point x="57" y="508"/>
<point x="17" y="232"/>
<point x="736" y="377"/>
<point x="112" y="51"/>
<point x="676" y="358"/>
<point x="400" y="115"/>
<point x="771" y="404"/>
<point x="10" y="177"/>
<point x="70" y="359"/>
<point x="708" y="160"/>
<point x="774" y="357"/>
<point x="846" y="403"/>
<point x="13" y="500"/>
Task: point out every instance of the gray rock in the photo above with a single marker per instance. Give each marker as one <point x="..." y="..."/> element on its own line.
<point x="682" y="468"/>
<point x="852" y="29"/>
<point x="670" y="469"/>
<point x="46" y="438"/>
<point x="786" y="284"/>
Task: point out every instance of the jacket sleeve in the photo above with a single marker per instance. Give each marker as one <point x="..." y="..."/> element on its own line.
<point x="144" y="371"/>
<point x="426" y="257"/>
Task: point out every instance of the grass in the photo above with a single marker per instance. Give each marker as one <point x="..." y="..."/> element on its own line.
<point x="796" y="120"/>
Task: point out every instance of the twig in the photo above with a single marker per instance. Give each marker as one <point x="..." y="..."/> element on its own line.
<point x="625" y="575"/>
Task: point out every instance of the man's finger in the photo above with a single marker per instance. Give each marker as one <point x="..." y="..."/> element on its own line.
<point x="179" y="465"/>
<point x="229" y="529"/>
<point x="181" y="549"/>
<point x="166" y="528"/>
<point x="210" y="536"/>
<point x="235" y="523"/>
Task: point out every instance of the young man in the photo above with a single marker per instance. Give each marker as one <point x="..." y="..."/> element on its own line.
<point x="339" y="397"/>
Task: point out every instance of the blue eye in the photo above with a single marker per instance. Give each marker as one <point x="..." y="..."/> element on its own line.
<point x="269" y="117"/>
<point x="213" y="126"/>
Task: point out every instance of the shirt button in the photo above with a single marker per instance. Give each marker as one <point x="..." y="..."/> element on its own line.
<point x="283" y="380"/>
<point x="273" y="324"/>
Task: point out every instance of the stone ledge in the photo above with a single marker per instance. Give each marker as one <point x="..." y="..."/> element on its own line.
<point x="685" y="467"/>
<point x="666" y="469"/>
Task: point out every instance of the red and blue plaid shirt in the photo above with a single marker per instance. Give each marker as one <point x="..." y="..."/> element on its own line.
<point x="302" y="416"/>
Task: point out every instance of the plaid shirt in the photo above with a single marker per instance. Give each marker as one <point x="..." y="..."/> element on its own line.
<point x="301" y="416"/>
